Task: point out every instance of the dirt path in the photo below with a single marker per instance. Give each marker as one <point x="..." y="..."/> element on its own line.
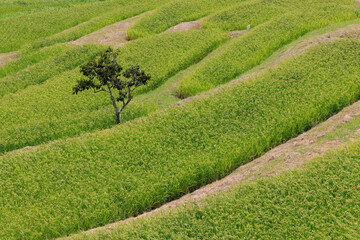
<point x="114" y="35"/>
<point x="290" y="155"/>
<point x="7" y="57"/>
<point x="237" y="33"/>
<point x="196" y="25"/>
<point x="351" y="31"/>
<point x="185" y="26"/>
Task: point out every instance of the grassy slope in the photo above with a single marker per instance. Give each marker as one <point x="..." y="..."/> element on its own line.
<point x="89" y="181"/>
<point x="40" y="121"/>
<point x="320" y="202"/>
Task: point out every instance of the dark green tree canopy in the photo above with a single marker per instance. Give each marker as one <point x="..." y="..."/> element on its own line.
<point x="106" y="75"/>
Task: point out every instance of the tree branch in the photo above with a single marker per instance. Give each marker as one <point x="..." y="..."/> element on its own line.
<point x="101" y="90"/>
<point x="129" y="98"/>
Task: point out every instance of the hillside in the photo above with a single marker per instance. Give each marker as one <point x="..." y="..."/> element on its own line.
<point x="271" y="112"/>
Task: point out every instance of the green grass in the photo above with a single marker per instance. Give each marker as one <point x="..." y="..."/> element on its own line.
<point x="84" y="182"/>
<point x="245" y="52"/>
<point x="320" y="202"/>
<point x="49" y="111"/>
<point x="49" y="68"/>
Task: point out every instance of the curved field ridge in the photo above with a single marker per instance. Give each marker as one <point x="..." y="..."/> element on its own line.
<point x="300" y="46"/>
<point x="91" y="26"/>
<point x="84" y="182"/>
<point x="228" y="15"/>
<point x="174" y="13"/>
<point x="251" y="13"/>
<point x="244" y="52"/>
<point x="319" y="202"/>
<point x="289" y="156"/>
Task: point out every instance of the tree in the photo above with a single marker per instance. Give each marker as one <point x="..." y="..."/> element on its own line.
<point x="106" y="75"/>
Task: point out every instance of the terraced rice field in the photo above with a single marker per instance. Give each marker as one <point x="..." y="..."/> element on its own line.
<point x="221" y="95"/>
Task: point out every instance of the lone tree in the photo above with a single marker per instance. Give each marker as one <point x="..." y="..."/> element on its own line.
<point x="106" y="75"/>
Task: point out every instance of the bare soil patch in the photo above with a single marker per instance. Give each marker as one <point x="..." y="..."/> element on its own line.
<point x="185" y="26"/>
<point x="237" y="33"/>
<point x="114" y="35"/>
<point x="7" y="57"/>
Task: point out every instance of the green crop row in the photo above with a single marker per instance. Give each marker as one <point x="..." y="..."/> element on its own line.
<point x="9" y="9"/>
<point x="40" y="72"/>
<point x="25" y="60"/>
<point x="44" y="2"/>
<point x="50" y="111"/>
<point x="179" y="50"/>
<point x="17" y="31"/>
<point x="80" y="183"/>
<point x="228" y="14"/>
<point x="12" y="10"/>
<point x="176" y="12"/>
<point x="246" y="51"/>
<point x="320" y="202"/>
<point x="249" y="13"/>
<point x="110" y="17"/>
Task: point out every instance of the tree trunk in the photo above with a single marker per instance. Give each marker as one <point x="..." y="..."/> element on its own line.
<point x="117" y="117"/>
<point x="114" y="104"/>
